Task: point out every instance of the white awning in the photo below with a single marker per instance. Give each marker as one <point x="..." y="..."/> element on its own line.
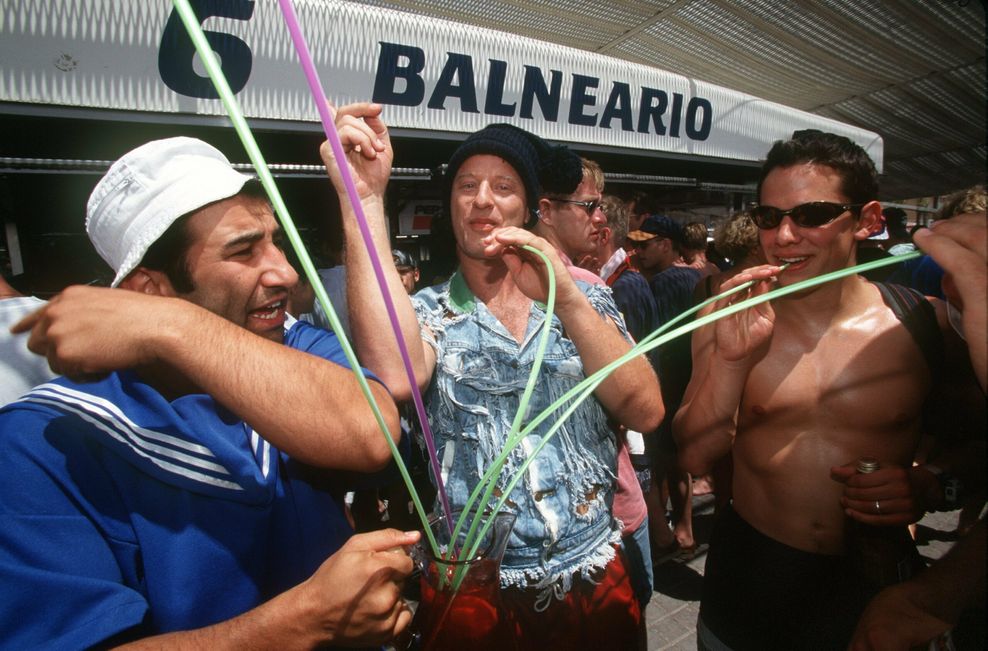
<point x="434" y="75"/>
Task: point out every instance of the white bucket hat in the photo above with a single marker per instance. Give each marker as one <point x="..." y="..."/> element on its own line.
<point x="150" y="187"/>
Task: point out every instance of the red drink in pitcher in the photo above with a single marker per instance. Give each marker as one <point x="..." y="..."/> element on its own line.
<point x="460" y="607"/>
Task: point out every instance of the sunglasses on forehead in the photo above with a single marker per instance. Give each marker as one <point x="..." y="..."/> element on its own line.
<point x="590" y="206"/>
<point x="811" y="215"/>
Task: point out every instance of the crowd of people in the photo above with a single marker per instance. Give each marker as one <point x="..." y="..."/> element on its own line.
<point x="189" y="453"/>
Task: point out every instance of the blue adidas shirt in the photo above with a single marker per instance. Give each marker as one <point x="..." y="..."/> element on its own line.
<point x="121" y="511"/>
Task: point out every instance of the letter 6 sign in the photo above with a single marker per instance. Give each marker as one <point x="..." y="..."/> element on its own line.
<point x="176" y="52"/>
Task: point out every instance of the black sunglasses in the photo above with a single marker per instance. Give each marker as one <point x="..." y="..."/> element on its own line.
<point x="811" y="215"/>
<point x="641" y="244"/>
<point x="590" y="206"/>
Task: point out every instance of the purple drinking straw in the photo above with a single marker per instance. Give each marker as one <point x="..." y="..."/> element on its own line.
<point x="329" y="127"/>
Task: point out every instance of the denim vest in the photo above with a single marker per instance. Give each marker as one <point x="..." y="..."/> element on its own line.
<point x="564" y="524"/>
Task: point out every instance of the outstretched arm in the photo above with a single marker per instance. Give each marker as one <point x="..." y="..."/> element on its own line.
<point x="631" y="393"/>
<point x="353" y="599"/>
<point x="367" y="146"/>
<point x="959" y="246"/>
<point x="724" y="353"/>
<point x="322" y="419"/>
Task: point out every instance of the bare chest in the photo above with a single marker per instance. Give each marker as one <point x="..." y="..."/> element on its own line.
<point x="860" y="378"/>
<point x="514" y="316"/>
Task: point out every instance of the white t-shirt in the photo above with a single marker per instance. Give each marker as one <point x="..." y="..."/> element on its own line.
<point x="20" y="369"/>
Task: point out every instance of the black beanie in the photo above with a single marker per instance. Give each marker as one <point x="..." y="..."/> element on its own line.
<point x="554" y="169"/>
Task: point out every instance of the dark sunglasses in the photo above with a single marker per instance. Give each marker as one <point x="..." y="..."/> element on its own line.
<point x="643" y="243"/>
<point x="810" y="215"/>
<point x="590" y="206"/>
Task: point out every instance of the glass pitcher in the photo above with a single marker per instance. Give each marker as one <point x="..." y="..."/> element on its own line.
<point x="460" y="605"/>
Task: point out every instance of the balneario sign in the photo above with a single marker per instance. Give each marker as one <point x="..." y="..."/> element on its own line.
<point x="403" y="65"/>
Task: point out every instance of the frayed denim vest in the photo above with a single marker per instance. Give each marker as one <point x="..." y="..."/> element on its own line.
<point x="564" y="524"/>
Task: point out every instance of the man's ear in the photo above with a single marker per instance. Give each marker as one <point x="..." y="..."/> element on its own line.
<point x="869" y="220"/>
<point x="148" y="281"/>
<point x="605" y="235"/>
<point x="545" y="210"/>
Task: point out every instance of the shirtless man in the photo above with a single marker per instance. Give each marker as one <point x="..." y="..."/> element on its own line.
<point x="800" y="389"/>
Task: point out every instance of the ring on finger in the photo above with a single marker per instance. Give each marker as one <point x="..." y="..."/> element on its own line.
<point x="878" y="507"/>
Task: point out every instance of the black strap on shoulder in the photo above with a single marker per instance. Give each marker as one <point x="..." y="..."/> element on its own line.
<point x="920" y="319"/>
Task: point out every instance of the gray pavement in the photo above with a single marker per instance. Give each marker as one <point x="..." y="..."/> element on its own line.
<point x="671" y="615"/>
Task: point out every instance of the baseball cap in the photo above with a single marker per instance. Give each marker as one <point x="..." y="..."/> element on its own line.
<point x="880" y="231"/>
<point x="655" y="226"/>
<point x="147" y="189"/>
<point x="403" y="259"/>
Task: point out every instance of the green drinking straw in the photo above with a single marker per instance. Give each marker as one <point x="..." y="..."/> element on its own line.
<point x="519" y="414"/>
<point x="648" y="343"/>
<point x="586" y="387"/>
<point x="593" y="382"/>
<point x="652" y="341"/>
<point x="494" y="469"/>
<point x="235" y="114"/>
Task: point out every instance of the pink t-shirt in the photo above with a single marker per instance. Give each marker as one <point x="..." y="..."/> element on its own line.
<point x="629" y="503"/>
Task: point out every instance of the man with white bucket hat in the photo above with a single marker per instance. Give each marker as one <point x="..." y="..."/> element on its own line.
<point x="178" y="483"/>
